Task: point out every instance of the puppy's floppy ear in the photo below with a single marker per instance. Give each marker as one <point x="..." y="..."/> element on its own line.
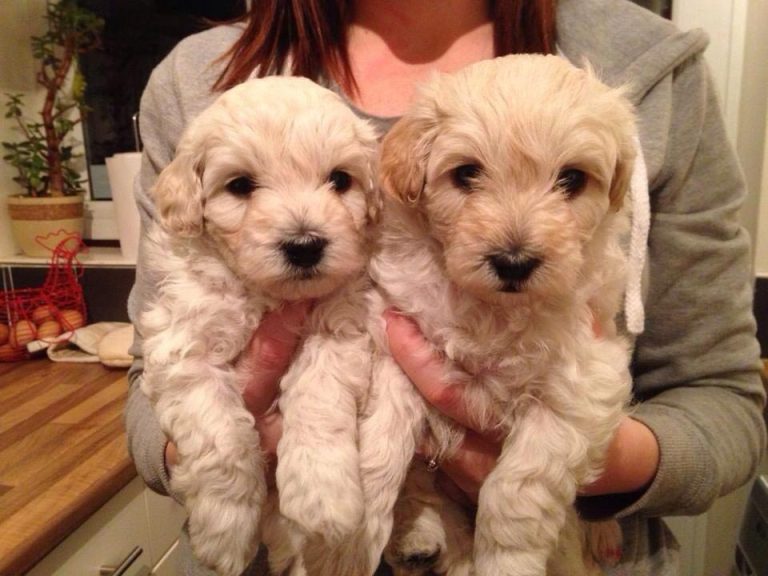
<point x="626" y="147"/>
<point x="374" y="199"/>
<point x="620" y="116"/>
<point x="622" y="174"/>
<point x="402" y="169"/>
<point x="178" y="196"/>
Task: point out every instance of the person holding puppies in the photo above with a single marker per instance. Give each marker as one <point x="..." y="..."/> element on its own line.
<point x="696" y="432"/>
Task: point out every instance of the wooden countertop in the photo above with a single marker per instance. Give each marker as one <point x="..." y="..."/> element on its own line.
<point x="62" y="453"/>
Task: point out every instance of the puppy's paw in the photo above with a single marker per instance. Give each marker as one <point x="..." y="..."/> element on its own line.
<point x="322" y="498"/>
<point x="331" y="517"/>
<point x="224" y="533"/>
<point x="603" y="541"/>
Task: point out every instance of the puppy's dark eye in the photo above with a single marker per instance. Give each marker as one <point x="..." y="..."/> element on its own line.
<point x="241" y="186"/>
<point x="340" y="180"/>
<point x="465" y="176"/>
<point x="571" y="181"/>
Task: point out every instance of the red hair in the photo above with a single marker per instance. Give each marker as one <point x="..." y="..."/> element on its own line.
<point x="310" y="37"/>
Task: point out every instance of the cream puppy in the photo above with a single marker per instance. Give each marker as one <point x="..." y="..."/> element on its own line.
<point x="502" y="237"/>
<point x="268" y="200"/>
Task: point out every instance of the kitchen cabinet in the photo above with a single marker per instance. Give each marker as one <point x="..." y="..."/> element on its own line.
<point x="134" y="531"/>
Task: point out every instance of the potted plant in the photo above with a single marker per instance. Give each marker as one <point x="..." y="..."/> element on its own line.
<point x="53" y="195"/>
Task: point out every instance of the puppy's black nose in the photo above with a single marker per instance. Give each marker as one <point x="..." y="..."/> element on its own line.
<point x="304" y="252"/>
<point x="513" y="268"/>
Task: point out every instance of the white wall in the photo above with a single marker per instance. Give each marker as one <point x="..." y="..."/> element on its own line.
<point x="751" y="136"/>
<point x="761" y="243"/>
<point x="715" y="17"/>
<point x="738" y="58"/>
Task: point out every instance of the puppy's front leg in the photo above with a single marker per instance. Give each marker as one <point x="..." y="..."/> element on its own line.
<point x="388" y="430"/>
<point x="523" y="502"/>
<point x="318" y="474"/>
<point x="219" y="472"/>
<point x="393" y="423"/>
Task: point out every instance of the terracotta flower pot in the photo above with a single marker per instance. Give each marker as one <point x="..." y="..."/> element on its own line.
<point x="38" y="224"/>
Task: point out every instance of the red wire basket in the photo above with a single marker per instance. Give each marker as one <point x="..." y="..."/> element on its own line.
<point x="45" y="312"/>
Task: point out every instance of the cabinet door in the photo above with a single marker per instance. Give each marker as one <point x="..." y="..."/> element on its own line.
<point x="166" y="517"/>
<point x="117" y="531"/>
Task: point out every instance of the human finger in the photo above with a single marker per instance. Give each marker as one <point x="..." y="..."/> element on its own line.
<point x="171" y="456"/>
<point x="425" y="368"/>
<point x="269" y="354"/>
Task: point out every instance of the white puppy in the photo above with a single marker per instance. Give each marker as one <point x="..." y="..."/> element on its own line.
<point x="269" y="199"/>
<point x="502" y="229"/>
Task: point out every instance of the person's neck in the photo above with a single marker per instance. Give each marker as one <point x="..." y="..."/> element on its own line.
<point x="394" y="46"/>
<point x="419" y="31"/>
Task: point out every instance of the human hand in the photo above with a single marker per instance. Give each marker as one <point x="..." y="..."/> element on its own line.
<point x="631" y="461"/>
<point x="261" y="365"/>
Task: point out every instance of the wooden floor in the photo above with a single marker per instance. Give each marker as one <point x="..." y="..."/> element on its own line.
<point x="62" y="453"/>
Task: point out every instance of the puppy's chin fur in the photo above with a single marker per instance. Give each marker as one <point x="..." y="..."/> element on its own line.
<point x="504" y="194"/>
<point x="268" y="199"/>
<point x="302" y="290"/>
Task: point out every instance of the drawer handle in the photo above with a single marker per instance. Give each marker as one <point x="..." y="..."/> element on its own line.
<point x="121" y="568"/>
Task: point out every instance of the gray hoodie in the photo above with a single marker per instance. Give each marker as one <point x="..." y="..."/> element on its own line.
<point x="696" y="365"/>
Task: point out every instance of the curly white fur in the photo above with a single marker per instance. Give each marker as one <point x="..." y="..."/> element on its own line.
<point x="505" y="187"/>
<point x="268" y="199"/>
